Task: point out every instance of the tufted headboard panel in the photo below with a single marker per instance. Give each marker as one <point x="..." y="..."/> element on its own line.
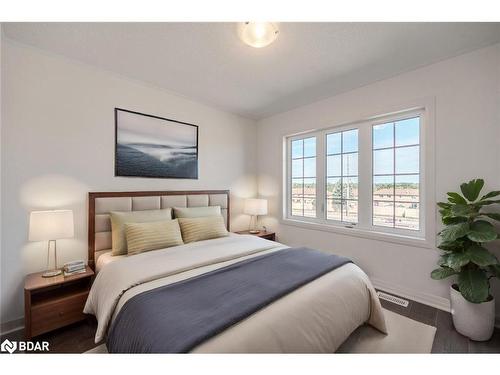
<point x="100" y="204"/>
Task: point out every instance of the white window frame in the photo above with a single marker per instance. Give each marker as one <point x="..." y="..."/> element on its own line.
<point x="407" y="232"/>
<point x="325" y="173"/>
<point x="424" y="237"/>
<point x="319" y="148"/>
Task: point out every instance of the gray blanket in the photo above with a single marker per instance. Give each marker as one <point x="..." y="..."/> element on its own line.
<point x="176" y="318"/>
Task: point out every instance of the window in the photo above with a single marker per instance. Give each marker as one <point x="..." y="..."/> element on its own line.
<point x="304" y="177"/>
<point x="366" y="176"/>
<point x="342" y="176"/>
<point x="396" y="174"/>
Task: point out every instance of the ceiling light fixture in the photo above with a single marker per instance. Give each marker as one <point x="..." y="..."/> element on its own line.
<point x="258" y="34"/>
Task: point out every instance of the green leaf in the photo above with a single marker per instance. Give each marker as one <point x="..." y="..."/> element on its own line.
<point x="450" y="220"/>
<point x="457" y="260"/>
<point x="491" y="194"/>
<point x="456" y="198"/>
<point x="495" y="270"/>
<point x="445" y="213"/>
<point x="473" y="285"/>
<point x="463" y="210"/>
<point x="471" y="189"/>
<point x="480" y="256"/>
<point x="492" y="215"/>
<point x="452" y="232"/>
<point x="442" y="260"/>
<point x="486" y="203"/>
<point x="450" y="245"/>
<point x="444" y="205"/>
<point x="442" y="273"/>
<point x="482" y="231"/>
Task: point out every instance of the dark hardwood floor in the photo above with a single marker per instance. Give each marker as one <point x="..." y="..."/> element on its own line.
<point x="75" y="338"/>
<point x="79" y="337"/>
<point x="447" y="340"/>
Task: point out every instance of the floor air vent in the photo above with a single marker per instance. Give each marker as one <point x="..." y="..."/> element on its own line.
<point x="393" y="299"/>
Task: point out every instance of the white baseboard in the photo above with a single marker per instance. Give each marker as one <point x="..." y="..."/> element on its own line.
<point x="11" y="326"/>
<point x="424" y="298"/>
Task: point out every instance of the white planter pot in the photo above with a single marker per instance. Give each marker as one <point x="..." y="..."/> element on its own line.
<point x="474" y="320"/>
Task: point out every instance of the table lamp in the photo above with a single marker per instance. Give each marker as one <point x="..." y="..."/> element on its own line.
<point x="51" y="226"/>
<point x="255" y="207"/>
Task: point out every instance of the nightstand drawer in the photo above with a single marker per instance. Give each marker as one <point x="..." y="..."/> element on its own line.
<point x="262" y="234"/>
<point x="55" y="314"/>
<point x="269" y="236"/>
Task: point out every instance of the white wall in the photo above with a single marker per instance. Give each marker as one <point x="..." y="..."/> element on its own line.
<point x="58" y="144"/>
<point x="1" y="121"/>
<point x="467" y="102"/>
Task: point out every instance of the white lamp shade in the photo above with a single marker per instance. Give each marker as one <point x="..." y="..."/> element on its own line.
<point x="51" y="225"/>
<point x="255" y="206"/>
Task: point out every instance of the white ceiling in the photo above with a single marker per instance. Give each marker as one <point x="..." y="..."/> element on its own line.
<point x="208" y="63"/>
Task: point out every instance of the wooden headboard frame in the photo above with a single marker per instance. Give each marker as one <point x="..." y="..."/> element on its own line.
<point x="112" y="194"/>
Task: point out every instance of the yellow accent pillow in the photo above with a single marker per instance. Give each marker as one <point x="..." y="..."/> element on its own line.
<point x="142" y="237"/>
<point x="119" y="218"/>
<point x="202" y="228"/>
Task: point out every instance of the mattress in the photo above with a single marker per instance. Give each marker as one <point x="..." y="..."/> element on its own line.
<point x="317" y="317"/>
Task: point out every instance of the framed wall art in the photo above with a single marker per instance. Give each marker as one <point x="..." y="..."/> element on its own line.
<point x="153" y="146"/>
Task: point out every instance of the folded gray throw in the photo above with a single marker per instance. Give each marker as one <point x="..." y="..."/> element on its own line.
<point x="176" y="318"/>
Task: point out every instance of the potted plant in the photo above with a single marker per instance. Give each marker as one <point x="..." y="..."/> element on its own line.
<point x="466" y="229"/>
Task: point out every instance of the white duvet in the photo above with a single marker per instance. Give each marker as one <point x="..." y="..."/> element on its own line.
<point x="315" y="318"/>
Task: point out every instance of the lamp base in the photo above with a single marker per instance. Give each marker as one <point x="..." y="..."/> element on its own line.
<point x="52" y="273"/>
<point x="254" y="231"/>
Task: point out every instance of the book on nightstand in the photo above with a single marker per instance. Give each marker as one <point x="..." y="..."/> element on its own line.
<point x="74" y="267"/>
<point x="74" y="272"/>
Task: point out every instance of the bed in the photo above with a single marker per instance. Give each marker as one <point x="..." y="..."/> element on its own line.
<point x="316" y="317"/>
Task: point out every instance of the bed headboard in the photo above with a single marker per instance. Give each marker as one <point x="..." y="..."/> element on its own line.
<point x="101" y="203"/>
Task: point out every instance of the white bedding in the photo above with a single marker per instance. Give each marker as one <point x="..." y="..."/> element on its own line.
<point x="105" y="259"/>
<point x="317" y="317"/>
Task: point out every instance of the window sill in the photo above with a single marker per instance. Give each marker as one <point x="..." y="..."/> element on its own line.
<point x="363" y="233"/>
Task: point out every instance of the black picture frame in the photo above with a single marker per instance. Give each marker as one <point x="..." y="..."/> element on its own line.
<point x="122" y="171"/>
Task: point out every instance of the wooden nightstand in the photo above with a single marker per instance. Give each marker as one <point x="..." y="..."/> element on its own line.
<point x="54" y="302"/>
<point x="263" y="234"/>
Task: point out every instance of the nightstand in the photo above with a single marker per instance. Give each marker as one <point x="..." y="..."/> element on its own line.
<point x="54" y="302"/>
<point x="263" y="234"/>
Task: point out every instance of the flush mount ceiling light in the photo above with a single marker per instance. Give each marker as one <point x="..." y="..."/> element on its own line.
<point x="258" y="34"/>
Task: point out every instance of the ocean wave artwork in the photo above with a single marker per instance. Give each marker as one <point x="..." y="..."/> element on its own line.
<point x="156" y="147"/>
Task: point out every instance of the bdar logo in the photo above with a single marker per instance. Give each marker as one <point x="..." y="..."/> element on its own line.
<point x="24" y="346"/>
<point x="8" y="346"/>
